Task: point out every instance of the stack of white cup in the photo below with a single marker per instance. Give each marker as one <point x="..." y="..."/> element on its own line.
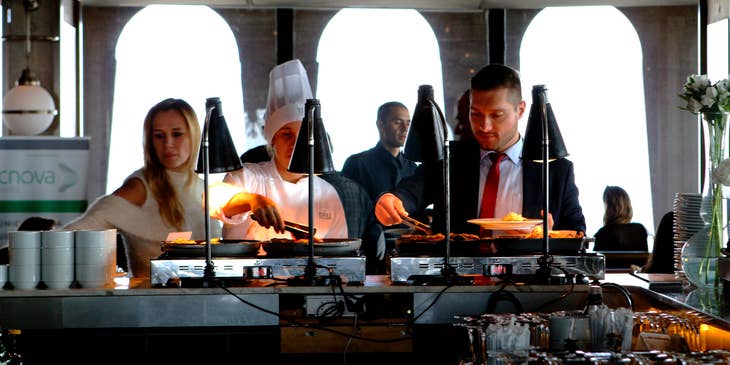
<point x="3" y="275"/>
<point x="96" y="254"/>
<point x="24" y="250"/>
<point x="57" y="257"/>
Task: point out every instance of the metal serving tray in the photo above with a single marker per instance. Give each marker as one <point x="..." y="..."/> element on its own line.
<point x="351" y="269"/>
<point x="592" y="266"/>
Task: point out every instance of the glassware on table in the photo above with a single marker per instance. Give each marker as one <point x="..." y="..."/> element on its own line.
<point x="685" y="324"/>
<point x="473" y="326"/>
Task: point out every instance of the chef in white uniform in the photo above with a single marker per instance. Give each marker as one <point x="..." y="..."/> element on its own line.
<point x="288" y="90"/>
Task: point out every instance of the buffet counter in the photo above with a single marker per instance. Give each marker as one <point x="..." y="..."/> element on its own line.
<point x="287" y="319"/>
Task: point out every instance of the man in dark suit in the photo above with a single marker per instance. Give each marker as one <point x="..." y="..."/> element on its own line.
<point x="382" y="167"/>
<point x="496" y="107"/>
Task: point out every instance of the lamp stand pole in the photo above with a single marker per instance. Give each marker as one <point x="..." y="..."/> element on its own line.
<point x="448" y="272"/>
<point x="209" y="270"/>
<point x="309" y="278"/>
<point x="545" y="260"/>
<point x="311" y="270"/>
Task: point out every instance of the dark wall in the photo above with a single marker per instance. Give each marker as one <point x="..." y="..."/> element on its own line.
<point x="670" y="54"/>
<point x="463" y="47"/>
<point x="255" y="32"/>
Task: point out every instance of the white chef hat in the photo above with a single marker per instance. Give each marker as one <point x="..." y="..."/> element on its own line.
<point x="288" y="90"/>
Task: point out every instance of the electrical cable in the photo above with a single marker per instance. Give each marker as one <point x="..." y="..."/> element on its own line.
<point x="314" y="326"/>
<point x="501" y="295"/>
<point x="430" y="305"/>
<point x="561" y="297"/>
<point x="349" y="341"/>
<point x="622" y="290"/>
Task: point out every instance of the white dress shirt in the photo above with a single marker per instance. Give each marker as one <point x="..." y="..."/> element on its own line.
<point x="509" y="195"/>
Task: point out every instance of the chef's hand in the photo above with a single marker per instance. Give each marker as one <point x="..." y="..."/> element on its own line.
<point x="268" y="216"/>
<point x="263" y="210"/>
<point x="389" y="210"/>
<point x="550" y="219"/>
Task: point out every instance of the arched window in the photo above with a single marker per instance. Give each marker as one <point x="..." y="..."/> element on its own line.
<point x="186" y="52"/>
<point x="362" y="66"/>
<point x="591" y="61"/>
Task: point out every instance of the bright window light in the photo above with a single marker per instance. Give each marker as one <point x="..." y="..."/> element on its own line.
<point x="172" y="51"/>
<point x="362" y="66"/>
<point x="717" y="54"/>
<point x="590" y="59"/>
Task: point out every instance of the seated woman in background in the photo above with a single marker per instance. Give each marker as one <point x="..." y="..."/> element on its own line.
<point x="618" y="232"/>
<point x="163" y="196"/>
<point x="661" y="259"/>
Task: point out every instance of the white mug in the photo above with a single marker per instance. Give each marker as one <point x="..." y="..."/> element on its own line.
<point x="3" y="275"/>
<point x="24" y="276"/>
<point x="57" y="276"/>
<point x="57" y="239"/>
<point x="24" y="239"/>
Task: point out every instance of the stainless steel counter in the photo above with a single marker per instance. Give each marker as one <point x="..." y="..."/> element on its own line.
<point x="137" y="305"/>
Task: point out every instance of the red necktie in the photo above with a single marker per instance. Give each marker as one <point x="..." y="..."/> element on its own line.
<point x="489" y="196"/>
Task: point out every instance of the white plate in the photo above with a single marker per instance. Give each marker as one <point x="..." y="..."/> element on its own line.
<point x="497" y="224"/>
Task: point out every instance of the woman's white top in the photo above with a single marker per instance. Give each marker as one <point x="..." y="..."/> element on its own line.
<point x="142" y="226"/>
<point x="292" y="201"/>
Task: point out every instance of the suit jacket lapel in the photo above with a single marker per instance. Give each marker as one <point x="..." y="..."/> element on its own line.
<point x="531" y="192"/>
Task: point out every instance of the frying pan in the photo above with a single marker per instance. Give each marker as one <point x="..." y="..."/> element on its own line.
<point x="438" y="248"/>
<point x="225" y="248"/>
<point x="329" y="247"/>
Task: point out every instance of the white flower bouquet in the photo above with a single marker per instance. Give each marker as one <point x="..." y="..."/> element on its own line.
<point x="702" y="96"/>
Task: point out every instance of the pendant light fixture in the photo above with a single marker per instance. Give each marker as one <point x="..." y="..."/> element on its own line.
<point x="28" y="108"/>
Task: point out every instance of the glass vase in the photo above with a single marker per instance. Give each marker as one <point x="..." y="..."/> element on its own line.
<point x="701" y="252"/>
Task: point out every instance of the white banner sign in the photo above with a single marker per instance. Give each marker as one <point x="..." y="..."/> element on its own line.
<point x="41" y="176"/>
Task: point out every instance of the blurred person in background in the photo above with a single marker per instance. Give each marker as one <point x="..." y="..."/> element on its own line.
<point x="618" y="232"/>
<point x="382" y="167"/>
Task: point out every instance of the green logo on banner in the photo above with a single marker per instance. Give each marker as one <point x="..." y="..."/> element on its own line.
<point x="40" y="177"/>
<point x="70" y="177"/>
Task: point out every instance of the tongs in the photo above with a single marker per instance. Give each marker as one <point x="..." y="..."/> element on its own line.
<point x="418" y="226"/>
<point x="299" y="231"/>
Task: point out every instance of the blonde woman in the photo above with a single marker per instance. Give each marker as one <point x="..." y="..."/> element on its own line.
<point x="163" y="196"/>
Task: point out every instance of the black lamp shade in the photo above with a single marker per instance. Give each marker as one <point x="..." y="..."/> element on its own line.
<point x="533" y="145"/>
<point x="425" y="140"/>
<point x="222" y="155"/>
<point x="322" y="150"/>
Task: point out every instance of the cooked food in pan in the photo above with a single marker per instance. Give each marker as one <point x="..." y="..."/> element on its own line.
<point x="304" y="240"/>
<point x="439" y="237"/>
<point x="193" y="242"/>
<point x="537" y="233"/>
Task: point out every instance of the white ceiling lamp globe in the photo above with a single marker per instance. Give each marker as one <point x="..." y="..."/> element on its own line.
<point x="28" y="109"/>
